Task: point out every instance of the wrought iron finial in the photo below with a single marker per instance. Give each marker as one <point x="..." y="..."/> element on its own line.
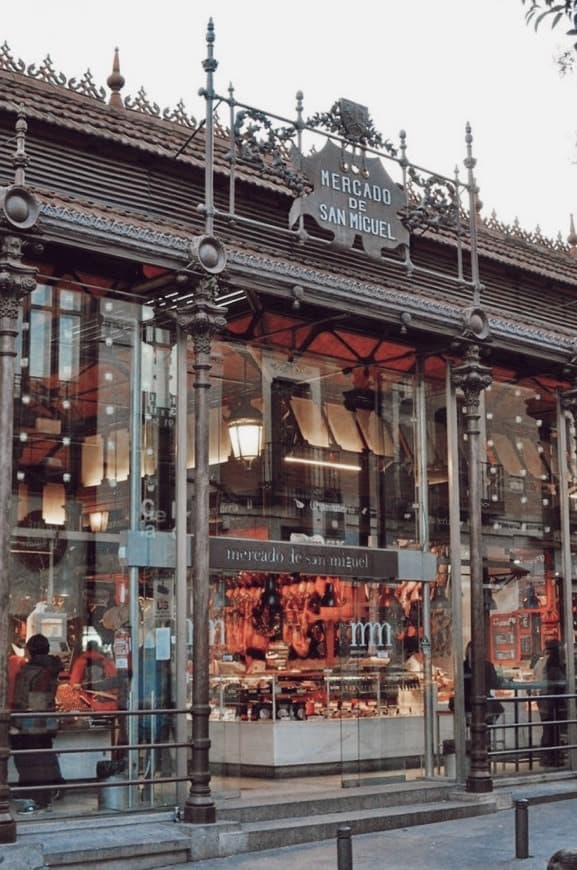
<point x="470" y="161"/>
<point x="474" y="207"/>
<point x="19" y="208"/>
<point x="299" y="123"/>
<point x="115" y="82"/>
<point x="403" y="147"/>
<point x="572" y="237"/>
<point x="210" y="63"/>
<point x="20" y="158"/>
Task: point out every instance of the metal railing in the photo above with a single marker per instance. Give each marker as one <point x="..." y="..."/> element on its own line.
<point x="137" y="768"/>
<point x="536" y="729"/>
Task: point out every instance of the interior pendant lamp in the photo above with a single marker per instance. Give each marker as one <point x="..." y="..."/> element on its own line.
<point x="98" y="521"/>
<point x="245" y="430"/>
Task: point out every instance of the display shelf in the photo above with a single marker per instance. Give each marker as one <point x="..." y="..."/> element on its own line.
<point x="308" y="695"/>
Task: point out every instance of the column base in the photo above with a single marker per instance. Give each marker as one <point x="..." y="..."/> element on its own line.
<point x="7" y="828"/>
<point x="199" y="814"/>
<point x="481" y="784"/>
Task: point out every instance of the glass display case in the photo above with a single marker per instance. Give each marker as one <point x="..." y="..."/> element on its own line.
<point x="296" y="696"/>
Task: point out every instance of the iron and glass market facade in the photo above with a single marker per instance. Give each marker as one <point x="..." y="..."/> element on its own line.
<point x="408" y="486"/>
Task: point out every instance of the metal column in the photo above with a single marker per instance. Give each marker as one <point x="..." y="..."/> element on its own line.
<point x="421" y="415"/>
<point x="459" y="727"/>
<point x="183" y="602"/>
<point x="473" y="377"/>
<point x="567" y="404"/>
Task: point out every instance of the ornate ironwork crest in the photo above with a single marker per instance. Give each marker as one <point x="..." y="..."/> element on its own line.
<point x="355" y="120"/>
<point x="351" y="122"/>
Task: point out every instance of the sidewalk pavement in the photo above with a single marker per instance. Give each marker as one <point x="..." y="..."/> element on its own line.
<point x="484" y="842"/>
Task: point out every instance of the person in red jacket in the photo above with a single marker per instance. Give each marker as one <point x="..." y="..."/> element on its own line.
<point x="16" y="659"/>
<point x="93" y="670"/>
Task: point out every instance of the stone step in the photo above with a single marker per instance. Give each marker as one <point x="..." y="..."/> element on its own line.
<point x="155" y="841"/>
<point x="345" y="800"/>
<point x="262" y="835"/>
<point x="114" y="848"/>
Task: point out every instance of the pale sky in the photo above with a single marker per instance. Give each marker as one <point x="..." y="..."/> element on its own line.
<point x="425" y="66"/>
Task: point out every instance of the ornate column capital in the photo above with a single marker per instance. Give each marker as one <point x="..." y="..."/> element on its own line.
<point x="473" y="377"/>
<point x="16" y="279"/>
<point x="203" y="319"/>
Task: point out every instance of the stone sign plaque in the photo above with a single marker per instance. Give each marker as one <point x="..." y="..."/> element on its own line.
<point x="353" y="199"/>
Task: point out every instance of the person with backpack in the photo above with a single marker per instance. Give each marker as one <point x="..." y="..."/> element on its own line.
<point x="34" y="692"/>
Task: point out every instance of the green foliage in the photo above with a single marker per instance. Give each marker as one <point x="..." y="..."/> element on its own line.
<point x="553" y="13"/>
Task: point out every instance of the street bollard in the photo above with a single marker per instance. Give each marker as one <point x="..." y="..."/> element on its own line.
<point x="344" y="849"/>
<point x="522" y="828"/>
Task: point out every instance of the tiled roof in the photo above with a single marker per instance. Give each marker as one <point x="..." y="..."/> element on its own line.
<point x="61" y="107"/>
<point x="145" y="128"/>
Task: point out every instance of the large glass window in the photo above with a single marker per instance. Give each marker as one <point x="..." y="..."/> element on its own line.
<point x="338" y="461"/>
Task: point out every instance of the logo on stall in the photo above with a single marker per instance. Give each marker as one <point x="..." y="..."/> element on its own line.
<point x="351" y="199"/>
<point x="371" y="634"/>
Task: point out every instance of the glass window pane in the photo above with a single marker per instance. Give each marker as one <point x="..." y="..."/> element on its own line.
<point x="70" y="300"/>
<point x="69" y="350"/>
<point x="42" y="295"/>
<point x="40" y="340"/>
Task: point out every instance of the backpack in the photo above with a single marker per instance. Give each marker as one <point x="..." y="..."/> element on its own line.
<point x="35" y="690"/>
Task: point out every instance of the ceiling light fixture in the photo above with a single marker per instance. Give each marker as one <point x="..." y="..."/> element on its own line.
<point x="322" y="463"/>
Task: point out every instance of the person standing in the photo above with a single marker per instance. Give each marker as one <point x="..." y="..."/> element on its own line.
<point x="34" y="691"/>
<point x="494" y="708"/>
<point x="553" y="706"/>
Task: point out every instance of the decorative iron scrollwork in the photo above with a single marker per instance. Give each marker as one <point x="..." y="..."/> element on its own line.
<point x="535" y="237"/>
<point x="179" y="116"/>
<point x="8" y="63"/>
<point x="269" y="153"/>
<point x="46" y="72"/>
<point x="141" y="103"/>
<point x="433" y="203"/>
<point x="87" y="87"/>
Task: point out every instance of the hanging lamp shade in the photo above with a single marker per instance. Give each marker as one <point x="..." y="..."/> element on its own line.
<point x="98" y="521"/>
<point x="245" y="432"/>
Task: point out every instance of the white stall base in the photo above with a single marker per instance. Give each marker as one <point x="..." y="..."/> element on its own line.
<point x="319" y="741"/>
